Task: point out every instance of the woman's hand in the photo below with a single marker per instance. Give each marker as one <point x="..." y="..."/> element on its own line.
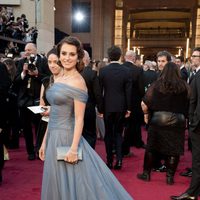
<point x="72" y="157"/>
<point x="46" y="110"/>
<point x="128" y="113"/>
<point x="42" y="152"/>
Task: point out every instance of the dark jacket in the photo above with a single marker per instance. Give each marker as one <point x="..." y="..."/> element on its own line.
<point x="194" y="108"/>
<point x="116" y="86"/>
<point x="136" y="75"/>
<point x="184" y="74"/>
<point x="93" y="86"/>
<point x="149" y="77"/>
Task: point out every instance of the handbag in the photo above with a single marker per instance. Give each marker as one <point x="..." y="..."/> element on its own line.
<point x="62" y="151"/>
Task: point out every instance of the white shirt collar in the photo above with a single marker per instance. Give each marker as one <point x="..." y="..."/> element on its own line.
<point x="114" y="62"/>
<point x="197" y="69"/>
<point x="182" y="67"/>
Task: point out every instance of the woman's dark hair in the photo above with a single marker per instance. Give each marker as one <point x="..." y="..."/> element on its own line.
<point x="76" y="42"/>
<point x="170" y="80"/>
<point x="51" y="79"/>
<point x="11" y="67"/>
<point x="52" y="51"/>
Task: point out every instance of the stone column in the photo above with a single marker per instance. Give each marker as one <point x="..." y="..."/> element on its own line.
<point x="108" y="24"/>
<point x="45" y="24"/>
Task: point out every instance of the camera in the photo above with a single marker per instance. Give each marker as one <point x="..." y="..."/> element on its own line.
<point x="31" y="64"/>
<point x="9" y="55"/>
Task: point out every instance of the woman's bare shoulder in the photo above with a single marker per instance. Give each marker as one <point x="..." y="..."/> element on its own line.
<point x="79" y="82"/>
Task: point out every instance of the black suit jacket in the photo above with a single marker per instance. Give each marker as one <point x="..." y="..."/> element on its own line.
<point x="136" y="74"/>
<point x="194" y="109"/>
<point x="149" y="77"/>
<point x="93" y="86"/>
<point x="184" y="74"/>
<point x="27" y="96"/>
<point x="116" y="87"/>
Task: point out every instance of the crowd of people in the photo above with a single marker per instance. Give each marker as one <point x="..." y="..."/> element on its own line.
<point x="17" y="29"/>
<point x="111" y="98"/>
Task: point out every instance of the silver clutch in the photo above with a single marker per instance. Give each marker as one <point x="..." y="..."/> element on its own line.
<point x="62" y="151"/>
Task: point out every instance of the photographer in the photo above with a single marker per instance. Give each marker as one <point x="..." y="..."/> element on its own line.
<point x="30" y="72"/>
<point x="24" y="22"/>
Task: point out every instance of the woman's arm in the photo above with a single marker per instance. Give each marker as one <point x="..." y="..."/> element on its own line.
<point x="145" y="111"/>
<point x="79" y="110"/>
<point x="43" y="147"/>
<point x="42" y="103"/>
<point x="144" y="107"/>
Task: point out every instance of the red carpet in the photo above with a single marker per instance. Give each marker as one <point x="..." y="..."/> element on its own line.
<point x="22" y="178"/>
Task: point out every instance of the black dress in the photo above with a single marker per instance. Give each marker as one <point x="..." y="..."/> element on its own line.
<point x="43" y="124"/>
<point x="168" y="139"/>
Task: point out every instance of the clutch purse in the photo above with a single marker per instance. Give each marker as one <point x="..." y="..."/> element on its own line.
<point x="62" y="151"/>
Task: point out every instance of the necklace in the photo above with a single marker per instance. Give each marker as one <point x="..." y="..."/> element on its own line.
<point x="69" y="76"/>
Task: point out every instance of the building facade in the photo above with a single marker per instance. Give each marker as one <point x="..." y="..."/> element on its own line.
<point x="144" y="26"/>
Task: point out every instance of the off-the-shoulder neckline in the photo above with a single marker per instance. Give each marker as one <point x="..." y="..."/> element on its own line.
<point x="70" y="86"/>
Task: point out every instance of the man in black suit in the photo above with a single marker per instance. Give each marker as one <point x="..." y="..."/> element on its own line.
<point x="180" y="63"/>
<point x="132" y="133"/>
<point x="94" y="99"/>
<point x="116" y="87"/>
<point x="30" y="72"/>
<point x="150" y="75"/>
<point x="179" y="60"/>
<point x="194" y="129"/>
<point x="4" y="86"/>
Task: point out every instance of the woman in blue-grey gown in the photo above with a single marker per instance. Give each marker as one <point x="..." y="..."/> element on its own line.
<point x="89" y="179"/>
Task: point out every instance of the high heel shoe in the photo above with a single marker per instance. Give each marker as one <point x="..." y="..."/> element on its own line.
<point x="144" y="176"/>
<point x="118" y="165"/>
<point x="109" y="165"/>
<point x="170" y="180"/>
<point x="184" y="196"/>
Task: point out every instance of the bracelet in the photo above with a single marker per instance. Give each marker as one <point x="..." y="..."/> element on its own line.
<point x="73" y="152"/>
<point x="146" y="113"/>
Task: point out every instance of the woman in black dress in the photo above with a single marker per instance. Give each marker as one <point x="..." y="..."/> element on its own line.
<point x="13" y="122"/>
<point x="47" y="82"/>
<point x="165" y="107"/>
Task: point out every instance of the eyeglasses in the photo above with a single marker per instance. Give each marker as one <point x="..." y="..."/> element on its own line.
<point x="195" y="56"/>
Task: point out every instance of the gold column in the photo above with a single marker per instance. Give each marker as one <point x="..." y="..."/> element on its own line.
<point x="197" y="38"/>
<point x="118" y="39"/>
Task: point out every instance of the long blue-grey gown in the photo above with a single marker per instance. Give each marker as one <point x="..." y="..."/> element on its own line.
<point x="90" y="179"/>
